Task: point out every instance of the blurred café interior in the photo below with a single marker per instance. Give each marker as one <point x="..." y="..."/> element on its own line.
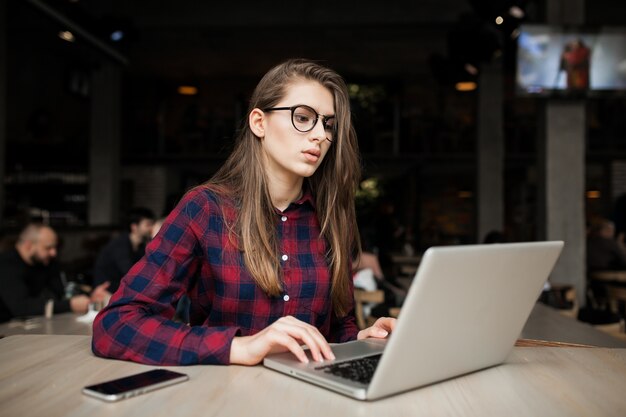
<point x="470" y="116"/>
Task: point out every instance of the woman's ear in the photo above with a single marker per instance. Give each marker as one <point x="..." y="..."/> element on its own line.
<point x="256" y="120"/>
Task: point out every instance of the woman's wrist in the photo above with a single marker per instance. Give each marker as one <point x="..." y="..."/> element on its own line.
<point x="238" y="351"/>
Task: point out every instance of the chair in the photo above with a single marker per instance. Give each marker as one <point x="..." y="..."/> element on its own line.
<point x="562" y="297"/>
<point x="598" y="284"/>
<point x="569" y="295"/>
<point x="361" y="299"/>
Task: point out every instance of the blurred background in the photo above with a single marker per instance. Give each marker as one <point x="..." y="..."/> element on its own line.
<point x="108" y="105"/>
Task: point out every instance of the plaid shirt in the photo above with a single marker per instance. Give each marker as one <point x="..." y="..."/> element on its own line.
<point x="192" y="254"/>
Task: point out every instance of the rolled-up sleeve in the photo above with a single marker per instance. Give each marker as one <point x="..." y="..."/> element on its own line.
<point x="137" y="324"/>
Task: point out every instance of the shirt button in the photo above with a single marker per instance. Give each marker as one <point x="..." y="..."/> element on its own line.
<point x="286" y="297"/>
<point x="284" y="257"/>
<point x="284" y="218"/>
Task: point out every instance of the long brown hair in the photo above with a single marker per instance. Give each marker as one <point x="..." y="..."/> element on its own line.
<point x="242" y="178"/>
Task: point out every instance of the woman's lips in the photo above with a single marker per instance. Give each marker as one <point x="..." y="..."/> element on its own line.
<point x="312" y="155"/>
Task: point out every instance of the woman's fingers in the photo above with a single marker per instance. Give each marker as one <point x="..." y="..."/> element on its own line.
<point x="374" y="332"/>
<point x="307" y="334"/>
<point x="281" y="339"/>
<point x="387" y="323"/>
<point x="381" y="329"/>
<point x="288" y="333"/>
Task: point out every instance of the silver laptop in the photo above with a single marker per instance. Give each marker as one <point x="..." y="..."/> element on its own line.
<point x="464" y="311"/>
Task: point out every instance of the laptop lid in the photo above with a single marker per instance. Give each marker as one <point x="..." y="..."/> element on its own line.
<point x="464" y="311"/>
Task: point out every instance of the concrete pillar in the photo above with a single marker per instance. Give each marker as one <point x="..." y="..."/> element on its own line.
<point x="3" y="101"/>
<point x="490" y="176"/>
<point x="104" y="150"/>
<point x="564" y="166"/>
<point x="565" y="189"/>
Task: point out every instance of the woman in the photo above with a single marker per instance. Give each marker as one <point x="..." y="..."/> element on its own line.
<point x="263" y="249"/>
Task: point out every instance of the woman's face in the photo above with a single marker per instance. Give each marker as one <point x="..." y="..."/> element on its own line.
<point x="291" y="155"/>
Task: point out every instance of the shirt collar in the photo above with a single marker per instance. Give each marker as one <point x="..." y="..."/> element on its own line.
<point x="307" y="198"/>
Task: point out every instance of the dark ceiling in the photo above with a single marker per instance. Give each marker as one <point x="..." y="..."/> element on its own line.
<point x="368" y="38"/>
<point x="198" y="38"/>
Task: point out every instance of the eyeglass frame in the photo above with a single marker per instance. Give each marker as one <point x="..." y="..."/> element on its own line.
<point x="317" y="117"/>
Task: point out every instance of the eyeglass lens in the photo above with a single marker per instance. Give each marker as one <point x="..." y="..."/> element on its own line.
<point x="305" y="118"/>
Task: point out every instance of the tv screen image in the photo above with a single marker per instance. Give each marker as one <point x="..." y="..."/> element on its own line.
<point x="556" y="59"/>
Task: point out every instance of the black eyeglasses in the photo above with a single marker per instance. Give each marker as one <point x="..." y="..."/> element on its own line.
<point x="304" y="119"/>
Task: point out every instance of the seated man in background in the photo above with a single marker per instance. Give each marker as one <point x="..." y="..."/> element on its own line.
<point x="29" y="277"/>
<point x="123" y="251"/>
<point x="604" y="252"/>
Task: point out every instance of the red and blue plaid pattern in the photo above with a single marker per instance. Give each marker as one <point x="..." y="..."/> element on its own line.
<point x="192" y="254"/>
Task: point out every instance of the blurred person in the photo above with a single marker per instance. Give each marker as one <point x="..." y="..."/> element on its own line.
<point x="262" y="249"/>
<point x="29" y="277"/>
<point x="123" y="251"/>
<point x="604" y="252"/>
<point x="575" y="61"/>
<point x="368" y="275"/>
<point x="619" y="214"/>
<point x="368" y="260"/>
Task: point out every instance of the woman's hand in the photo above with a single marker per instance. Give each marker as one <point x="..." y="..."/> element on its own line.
<point x="285" y="334"/>
<point x="381" y="329"/>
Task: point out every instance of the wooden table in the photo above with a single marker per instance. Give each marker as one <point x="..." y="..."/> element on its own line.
<point x="546" y="323"/>
<point x="65" y="323"/>
<point x="43" y="375"/>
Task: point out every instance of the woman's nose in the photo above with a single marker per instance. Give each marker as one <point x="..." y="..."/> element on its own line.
<point x="318" y="132"/>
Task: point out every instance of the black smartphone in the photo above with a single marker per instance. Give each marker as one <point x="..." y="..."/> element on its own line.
<point x="118" y="389"/>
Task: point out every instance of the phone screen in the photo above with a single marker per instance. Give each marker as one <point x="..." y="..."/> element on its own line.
<point x="135" y="384"/>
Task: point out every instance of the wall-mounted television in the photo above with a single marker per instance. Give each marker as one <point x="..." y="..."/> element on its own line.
<point x="560" y="60"/>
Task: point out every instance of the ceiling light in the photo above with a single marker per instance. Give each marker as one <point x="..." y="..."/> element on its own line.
<point x="117" y="35"/>
<point x="499" y="20"/>
<point x="187" y="90"/>
<point x="471" y="69"/>
<point x="66" y="35"/>
<point x="517" y="12"/>
<point x="465" y="86"/>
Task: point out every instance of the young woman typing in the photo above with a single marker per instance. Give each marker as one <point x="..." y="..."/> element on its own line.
<point x="263" y="249"/>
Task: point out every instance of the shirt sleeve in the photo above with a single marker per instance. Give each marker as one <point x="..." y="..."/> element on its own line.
<point x="137" y="324"/>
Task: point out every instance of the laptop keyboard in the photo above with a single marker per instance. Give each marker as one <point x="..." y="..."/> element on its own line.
<point x="359" y="370"/>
